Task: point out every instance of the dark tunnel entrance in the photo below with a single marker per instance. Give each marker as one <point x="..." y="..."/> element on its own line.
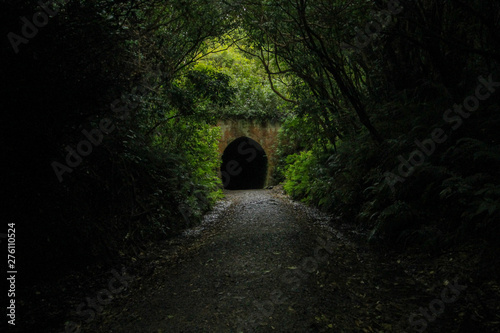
<point x="244" y="165"/>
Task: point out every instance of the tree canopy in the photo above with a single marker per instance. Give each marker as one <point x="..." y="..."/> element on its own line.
<point x="389" y="112"/>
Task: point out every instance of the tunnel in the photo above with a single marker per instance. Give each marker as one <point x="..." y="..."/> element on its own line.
<point x="244" y="165"/>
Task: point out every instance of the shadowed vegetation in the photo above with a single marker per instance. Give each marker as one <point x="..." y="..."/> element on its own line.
<point x="390" y="113"/>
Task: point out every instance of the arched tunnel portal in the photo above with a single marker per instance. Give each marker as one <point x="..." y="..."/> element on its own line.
<point x="244" y="165"/>
<point x="246" y="135"/>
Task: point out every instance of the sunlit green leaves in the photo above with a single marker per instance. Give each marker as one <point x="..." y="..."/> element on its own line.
<point x="253" y="96"/>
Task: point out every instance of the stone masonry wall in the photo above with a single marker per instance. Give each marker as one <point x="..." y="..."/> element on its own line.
<point x="264" y="132"/>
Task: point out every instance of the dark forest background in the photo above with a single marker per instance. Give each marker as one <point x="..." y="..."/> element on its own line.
<point x="359" y="86"/>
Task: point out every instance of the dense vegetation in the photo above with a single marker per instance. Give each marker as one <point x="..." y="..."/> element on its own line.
<point x="150" y="79"/>
<point x="396" y="125"/>
<point x="254" y="97"/>
<point x="111" y="115"/>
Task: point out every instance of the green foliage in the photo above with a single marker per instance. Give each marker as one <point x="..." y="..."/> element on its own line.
<point x="359" y="108"/>
<point x="253" y="97"/>
<point x="349" y="113"/>
<point x="156" y="172"/>
<point x="212" y="86"/>
<point x="298" y="173"/>
<point x="307" y="179"/>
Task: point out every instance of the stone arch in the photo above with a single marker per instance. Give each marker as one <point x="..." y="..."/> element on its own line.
<point x="265" y="132"/>
<point x="244" y="165"/>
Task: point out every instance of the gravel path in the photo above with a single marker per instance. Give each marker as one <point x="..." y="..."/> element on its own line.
<point x="263" y="263"/>
<point x="250" y="274"/>
<point x="260" y="262"/>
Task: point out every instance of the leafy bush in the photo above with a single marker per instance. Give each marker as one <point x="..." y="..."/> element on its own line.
<point x="253" y="97"/>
